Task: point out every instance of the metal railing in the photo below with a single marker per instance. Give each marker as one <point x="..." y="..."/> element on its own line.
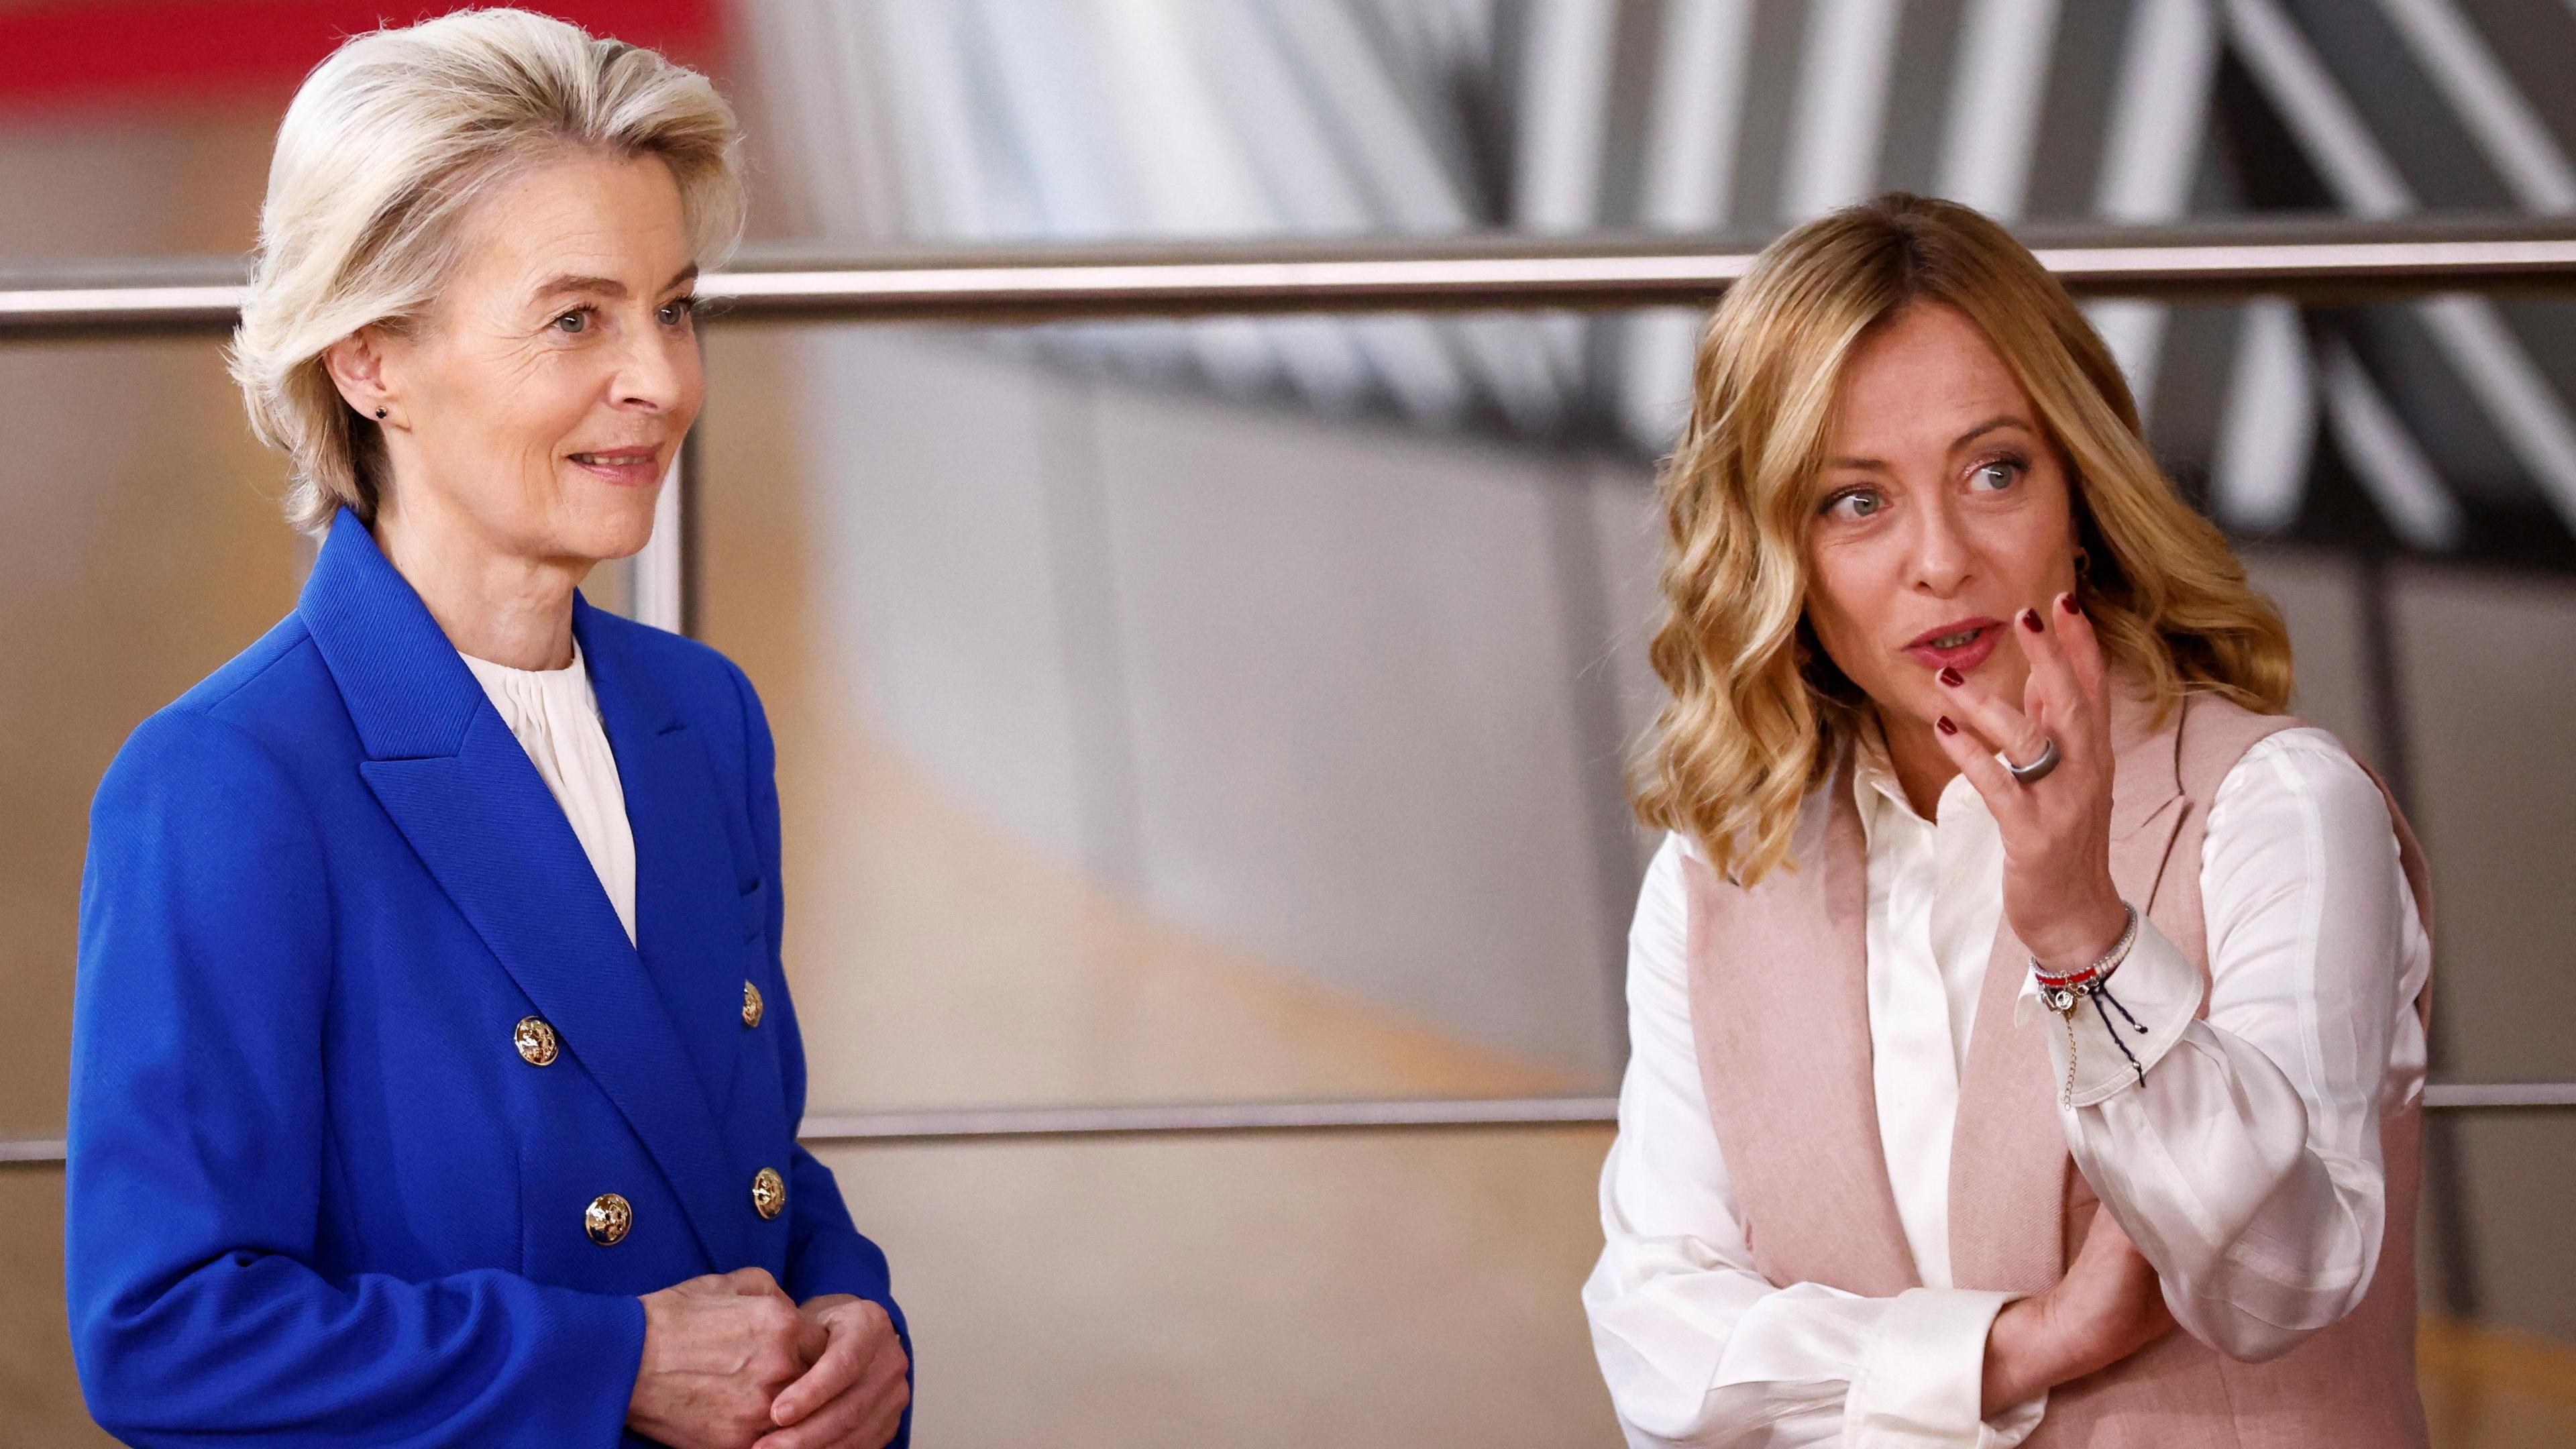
<point x="2325" y="259"/>
<point x="932" y="1125"/>
<point x="2315" y="260"/>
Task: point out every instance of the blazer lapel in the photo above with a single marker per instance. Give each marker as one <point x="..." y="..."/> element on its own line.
<point x="462" y="791"/>
<point x="2008" y="1159"/>
<point x="689" y="920"/>
<point x="1780" y="1008"/>
<point x="2147" y="802"/>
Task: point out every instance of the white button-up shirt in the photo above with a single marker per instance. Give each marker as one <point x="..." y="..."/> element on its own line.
<point x="2248" y="1163"/>
<point x="555" y="715"/>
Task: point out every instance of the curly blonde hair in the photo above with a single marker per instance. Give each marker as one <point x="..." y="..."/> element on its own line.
<point x="1758" y="715"/>
<point x="384" y="152"/>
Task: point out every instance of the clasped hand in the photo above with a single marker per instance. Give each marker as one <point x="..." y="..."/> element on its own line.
<point x="730" y="1361"/>
<point x="2107" y="1307"/>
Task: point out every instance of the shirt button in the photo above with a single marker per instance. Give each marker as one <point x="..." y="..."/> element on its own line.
<point x="751" y="1005"/>
<point x="535" y="1041"/>
<point x="607" y="1219"/>
<point x="768" y="1193"/>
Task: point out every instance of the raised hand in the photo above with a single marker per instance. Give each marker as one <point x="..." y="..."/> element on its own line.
<point x="2107" y="1307"/>
<point x="717" y="1350"/>
<point x="854" y="1395"/>
<point x="2058" y="895"/>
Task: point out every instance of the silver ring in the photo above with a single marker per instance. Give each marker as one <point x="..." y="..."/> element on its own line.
<point x="2037" y="770"/>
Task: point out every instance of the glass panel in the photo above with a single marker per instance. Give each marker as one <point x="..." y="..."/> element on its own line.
<point x="1145" y="742"/>
<point x="1149" y="735"/>
<point x="141" y="547"/>
<point x="1234" y="708"/>
<point x="1392" y="1290"/>
<point x="38" y="1388"/>
<point x="2504" y="1372"/>
<point x="1398" y="1290"/>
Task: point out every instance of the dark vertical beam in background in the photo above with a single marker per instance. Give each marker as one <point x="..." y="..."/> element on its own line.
<point x="2383" y="674"/>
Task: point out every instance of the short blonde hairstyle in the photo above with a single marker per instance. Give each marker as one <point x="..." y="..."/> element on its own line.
<point x="387" y="148"/>
<point x="1758" y="715"/>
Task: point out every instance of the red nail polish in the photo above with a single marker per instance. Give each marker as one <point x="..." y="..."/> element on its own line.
<point x="2067" y="602"/>
<point x="1944" y="726"/>
<point x="2030" y="621"/>
<point x="1950" y="677"/>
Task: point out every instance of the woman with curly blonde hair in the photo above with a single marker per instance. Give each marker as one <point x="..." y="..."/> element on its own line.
<point x="2028" y="1014"/>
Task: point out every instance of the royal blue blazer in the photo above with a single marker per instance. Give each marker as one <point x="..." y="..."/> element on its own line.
<point x="316" y="1193"/>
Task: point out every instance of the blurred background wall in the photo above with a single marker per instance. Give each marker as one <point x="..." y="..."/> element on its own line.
<point x="1235" y="709"/>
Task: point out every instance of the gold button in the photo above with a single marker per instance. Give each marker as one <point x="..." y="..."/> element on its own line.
<point x="750" y="1004"/>
<point x="535" y="1041"/>
<point x="607" y="1219"/>
<point x="768" y="1192"/>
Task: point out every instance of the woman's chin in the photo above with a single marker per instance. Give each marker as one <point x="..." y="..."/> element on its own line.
<point x="611" y="528"/>
<point x="626" y="544"/>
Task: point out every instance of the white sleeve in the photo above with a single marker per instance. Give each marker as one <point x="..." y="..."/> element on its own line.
<point x="2247" y="1166"/>
<point x="1698" y="1348"/>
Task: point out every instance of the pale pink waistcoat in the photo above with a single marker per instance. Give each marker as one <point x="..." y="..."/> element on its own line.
<point x="1780" y="1015"/>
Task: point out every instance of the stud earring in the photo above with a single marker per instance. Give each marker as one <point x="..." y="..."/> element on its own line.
<point x="380" y="415"/>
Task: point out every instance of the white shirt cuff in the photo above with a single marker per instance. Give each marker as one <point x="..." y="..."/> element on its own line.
<point x="2158" y="987"/>
<point x="1921" y="1378"/>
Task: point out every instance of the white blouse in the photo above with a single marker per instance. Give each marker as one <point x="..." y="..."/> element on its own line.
<point x="2247" y="1165"/>
<point x="556" y="718"/>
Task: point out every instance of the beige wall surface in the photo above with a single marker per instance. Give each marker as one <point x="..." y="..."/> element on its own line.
<point x="140" y="547"/>
<point x="2490" y="664"/>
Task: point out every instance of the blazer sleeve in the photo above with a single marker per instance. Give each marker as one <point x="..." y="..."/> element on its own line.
<point x="826" y="1252"/>
<point x="197" y="1156"/>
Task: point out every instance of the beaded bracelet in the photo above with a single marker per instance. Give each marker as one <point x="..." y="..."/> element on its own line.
<point x="2061" y="993"/>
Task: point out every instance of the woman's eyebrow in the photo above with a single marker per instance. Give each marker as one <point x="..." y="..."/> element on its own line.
<point x="1999" y="420"/>
<point x="558" y="285"/>
<point x="608" y="287"/>
<point x="1874" y="465"/>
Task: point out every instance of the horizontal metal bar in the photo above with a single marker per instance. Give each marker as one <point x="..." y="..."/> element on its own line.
<point x="2476" y="1096"/>
<point x="31" y="1149"/>
<point x="131" y="311"/>
<point x="1034" y="293"/>
<point x="1236" y="1118"/>
<point x="2326" y="258"/>
<point x="1205" y="1119"/>
<point x="1600" y="280"/>
<point x="946" y="1124"/>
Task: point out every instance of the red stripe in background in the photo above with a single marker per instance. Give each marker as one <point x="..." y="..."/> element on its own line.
<point x="148" y="53"/>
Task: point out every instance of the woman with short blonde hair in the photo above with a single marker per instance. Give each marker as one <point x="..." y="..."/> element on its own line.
<point x="384" y="153"/>
<point x="2017" y="981"/>
<point x="436" y="1080"/>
